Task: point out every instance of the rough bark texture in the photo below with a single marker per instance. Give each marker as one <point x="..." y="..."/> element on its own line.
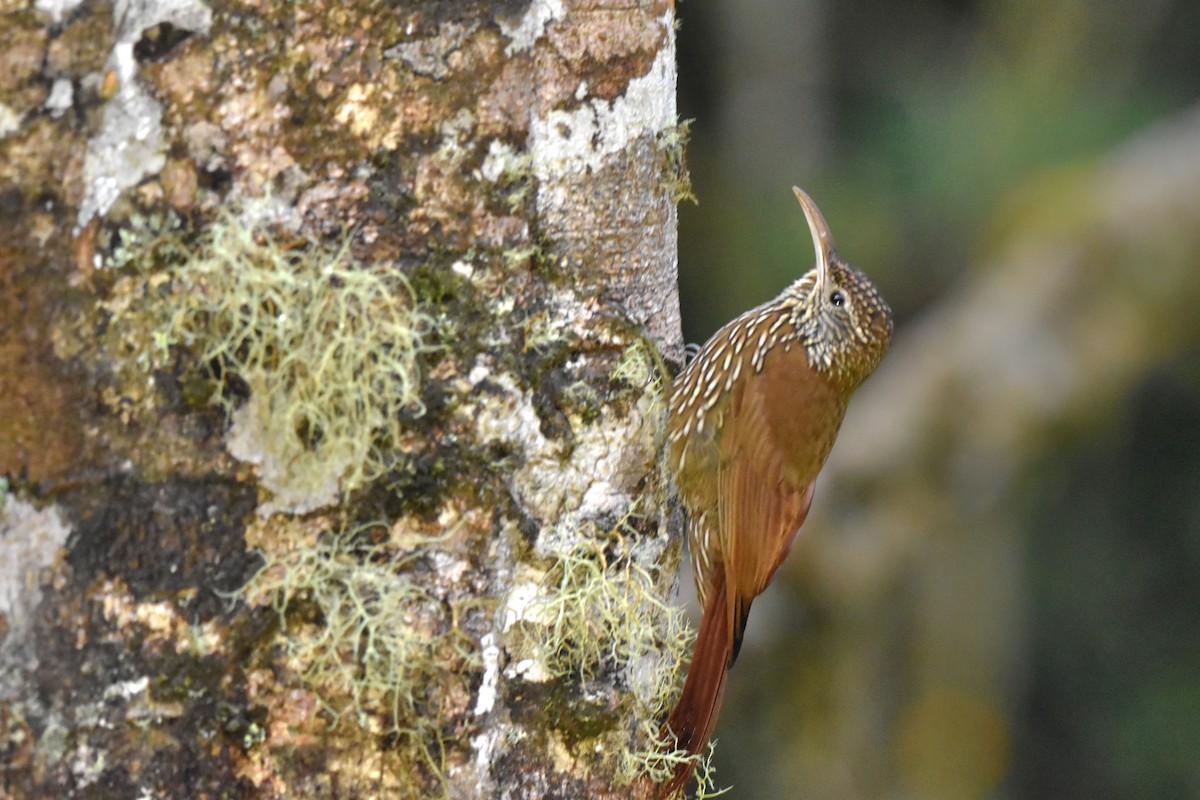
<point x="199" y="601"/>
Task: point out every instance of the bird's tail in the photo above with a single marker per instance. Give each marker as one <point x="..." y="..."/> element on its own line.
<point x="692" y="719"/>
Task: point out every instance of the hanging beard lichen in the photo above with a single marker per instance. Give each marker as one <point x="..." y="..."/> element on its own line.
<point x="326" y="348"/>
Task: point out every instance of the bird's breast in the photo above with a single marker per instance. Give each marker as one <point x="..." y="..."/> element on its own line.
<point x="800" y="408"/>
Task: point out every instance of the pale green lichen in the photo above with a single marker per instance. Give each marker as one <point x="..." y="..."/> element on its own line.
<point x="599" y="610"/>
<point x="706" y="777"/>
<point x="374" y="647"/>
<point x="641" y="367"/>
<point x="659" y="762"/>
<point x="328" y="347"/>
<point x="676" y="180"/>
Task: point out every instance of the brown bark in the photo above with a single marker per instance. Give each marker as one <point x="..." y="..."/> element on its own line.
<point x="406" y="617"/>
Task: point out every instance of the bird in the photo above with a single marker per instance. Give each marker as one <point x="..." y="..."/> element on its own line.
<point x="751" y="421"/>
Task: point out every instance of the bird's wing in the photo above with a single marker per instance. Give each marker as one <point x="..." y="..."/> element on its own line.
<point x="763" y="500"/>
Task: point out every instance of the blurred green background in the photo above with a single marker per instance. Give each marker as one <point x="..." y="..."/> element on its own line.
<point x="998" y="593"/>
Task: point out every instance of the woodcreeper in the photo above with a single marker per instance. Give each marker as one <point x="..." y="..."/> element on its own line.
<point x="752" y="419"/>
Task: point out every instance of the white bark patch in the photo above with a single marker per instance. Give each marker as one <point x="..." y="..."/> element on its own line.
<point x="500" y="159"/>
<point x="594" y="480"/>
<point x="29" y="540"/>
<point x="566" y="142"/>
<point x="127" y="690"/>
<point x="57" y="9"/>
<point x="532" y="24"/>
<point x="62" y="95"/>
<point x="491" y="675"/>
<point x="10" y="121"/>
<point x="484" y="745"/>
<point x="517" y="603"/>
<point x="528" y="670"/>
<point x="134" y="16"/>
<point x="129" y="146"/>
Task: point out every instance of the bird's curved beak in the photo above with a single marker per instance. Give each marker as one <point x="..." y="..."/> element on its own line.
<point x="821" y="235"/>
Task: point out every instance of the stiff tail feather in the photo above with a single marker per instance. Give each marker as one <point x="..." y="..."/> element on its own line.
<point x="692" y="719"/>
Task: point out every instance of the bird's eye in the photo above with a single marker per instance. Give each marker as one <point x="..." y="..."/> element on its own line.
<point x="838" y="299"/>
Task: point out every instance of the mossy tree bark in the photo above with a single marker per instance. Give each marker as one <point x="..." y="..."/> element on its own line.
<point x="330" y="398"/>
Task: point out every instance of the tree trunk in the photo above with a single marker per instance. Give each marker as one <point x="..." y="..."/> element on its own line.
<point x="331" y="397"/>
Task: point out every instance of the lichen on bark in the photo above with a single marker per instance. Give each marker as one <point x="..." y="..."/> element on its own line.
<point x="507" y="166"/>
